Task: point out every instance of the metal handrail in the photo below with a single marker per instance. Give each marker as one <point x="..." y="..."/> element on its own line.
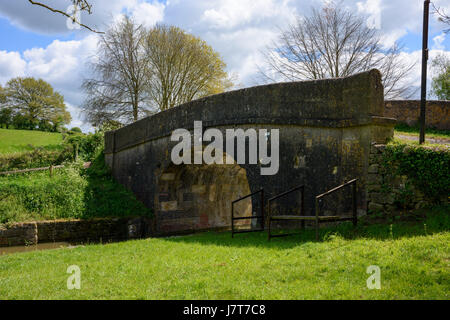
<point x="336" y="188"/>
<point x="249" y="217"/>
<point x="286" y="192"/>
<point x="302" y="208"/>
<point x="249" y="195"/>
<point x="320" y="196"/>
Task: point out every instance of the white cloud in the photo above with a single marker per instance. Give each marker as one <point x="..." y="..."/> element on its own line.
<point x="148" y="14"/>
<point x="438" y="42"/>
<point x="237" y="29"/>
<point x="11" y="65"/>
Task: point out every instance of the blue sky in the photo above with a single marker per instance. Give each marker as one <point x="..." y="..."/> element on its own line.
<point x="38" y="43"/>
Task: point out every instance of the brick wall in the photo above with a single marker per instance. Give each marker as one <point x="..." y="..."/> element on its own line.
<point x="408" y="111"/>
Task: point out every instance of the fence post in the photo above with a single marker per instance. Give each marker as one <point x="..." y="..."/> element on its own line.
<point x="51" y="171"/>
<point x="76" y="151"/>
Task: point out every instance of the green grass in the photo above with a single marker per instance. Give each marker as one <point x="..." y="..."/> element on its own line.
<point x="12" y="141"/>
<point x="71" y="192"/>
<point x="413" y="258"/>
<point x="414" y="132"/>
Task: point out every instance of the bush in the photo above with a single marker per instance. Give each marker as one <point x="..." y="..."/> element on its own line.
<point x="428" y="168"/>
<point x="72" y="192"/>
<point x="88" y="145"/>
<point x="38" y="157"/>
<point x="76" y="130"/>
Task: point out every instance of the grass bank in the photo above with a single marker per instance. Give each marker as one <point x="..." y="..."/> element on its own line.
<point x="72" y="192"/>
<point x="12" y="141"/>
<point x="413" y="258"/>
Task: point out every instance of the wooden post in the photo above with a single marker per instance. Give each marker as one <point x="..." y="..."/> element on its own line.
<point x="76" y="152"/>
<point x="423" y="95"/>
<point x="51" y="171"/>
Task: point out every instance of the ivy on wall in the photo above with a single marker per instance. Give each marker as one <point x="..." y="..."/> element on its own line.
<point x="428" y="168"/>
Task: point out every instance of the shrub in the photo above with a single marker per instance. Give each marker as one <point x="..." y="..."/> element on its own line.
<point x="88" y="145"/>
<point x="38" y="157"/>
<point x="427" y="167"/>
<point x="72" y="192"/>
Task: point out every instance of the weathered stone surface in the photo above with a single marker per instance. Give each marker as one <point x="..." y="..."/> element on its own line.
<point x="373" y="168"/>
<point x="326" y="129"/>
<point x="29" y="233"/>
<point x="408" y="111"/>
<point x="375" y="207"/>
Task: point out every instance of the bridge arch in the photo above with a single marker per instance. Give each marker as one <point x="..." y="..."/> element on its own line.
<point x="326" y="129"/>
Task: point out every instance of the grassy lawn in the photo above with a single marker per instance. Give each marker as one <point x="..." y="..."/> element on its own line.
<point x="443" y="136"/>
<point x="12" y="141"/>
<point x="413" y="258"/>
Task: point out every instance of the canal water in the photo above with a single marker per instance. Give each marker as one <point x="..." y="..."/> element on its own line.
<point x="37" y="247"/>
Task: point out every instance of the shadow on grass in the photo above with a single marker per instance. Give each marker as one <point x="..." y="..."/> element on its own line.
<point x="426" y="222"/>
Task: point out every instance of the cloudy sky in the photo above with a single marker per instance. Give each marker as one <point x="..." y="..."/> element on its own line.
<point x="38" y="43"/>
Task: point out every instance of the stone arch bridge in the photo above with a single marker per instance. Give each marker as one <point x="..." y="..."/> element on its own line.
<point x="326" y="128"/>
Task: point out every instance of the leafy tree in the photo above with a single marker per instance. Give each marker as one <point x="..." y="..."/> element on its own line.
<point x="139" y="71"/>
<point x="76" y="129"/>
<point x="35" y="104"/>
<point x="2" y="95"/>
<point x="5" y="117"/>
<point x="441" y="83"/>
<point x="5" y="113"/>
<point x="334" y="42"/>
<point x="181" y="67"/>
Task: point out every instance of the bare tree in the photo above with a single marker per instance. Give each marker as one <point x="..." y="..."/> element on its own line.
<point x="81" y="5"/>
<point x="118" y="88"/>
<point x="182" y="67"/>
<point x="333" y="42"/>
<point x="442" y="17"/>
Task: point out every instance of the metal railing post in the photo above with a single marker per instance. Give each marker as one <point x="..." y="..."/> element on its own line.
<point x="317" y="218"/>
<point x="354" y="204"/>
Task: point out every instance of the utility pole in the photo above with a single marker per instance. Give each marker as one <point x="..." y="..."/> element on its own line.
<point x="423" y="95"/>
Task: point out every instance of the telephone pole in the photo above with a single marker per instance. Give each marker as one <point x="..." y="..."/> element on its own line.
<point x="423" y="95"/>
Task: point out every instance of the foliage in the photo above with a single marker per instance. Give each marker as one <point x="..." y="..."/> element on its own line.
<point x="37" y="158"/>
<point x="34" y="104"/>
<point x="76" y="130"/>
<point x="72" y="192"/>
<point x="441" y="82"/>
<point x="413" y="262"/>
<point x="87" y="145"/>
<point x="182" y="67"/>
<point x="428" y="168"/>
<point x="140" y="71"/>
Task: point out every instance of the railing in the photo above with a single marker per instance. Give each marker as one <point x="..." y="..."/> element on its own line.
<point x="354" y="211"/>
<point x="33" y="170"/>
<point x="261" y="206"/>
<point x="302" y="206"/>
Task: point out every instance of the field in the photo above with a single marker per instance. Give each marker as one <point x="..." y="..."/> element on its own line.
<point x="12" y="141"/>
<point x="413" y="259"/>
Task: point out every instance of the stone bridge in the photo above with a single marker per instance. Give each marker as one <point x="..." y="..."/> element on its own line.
<point x="326" y="128"/>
